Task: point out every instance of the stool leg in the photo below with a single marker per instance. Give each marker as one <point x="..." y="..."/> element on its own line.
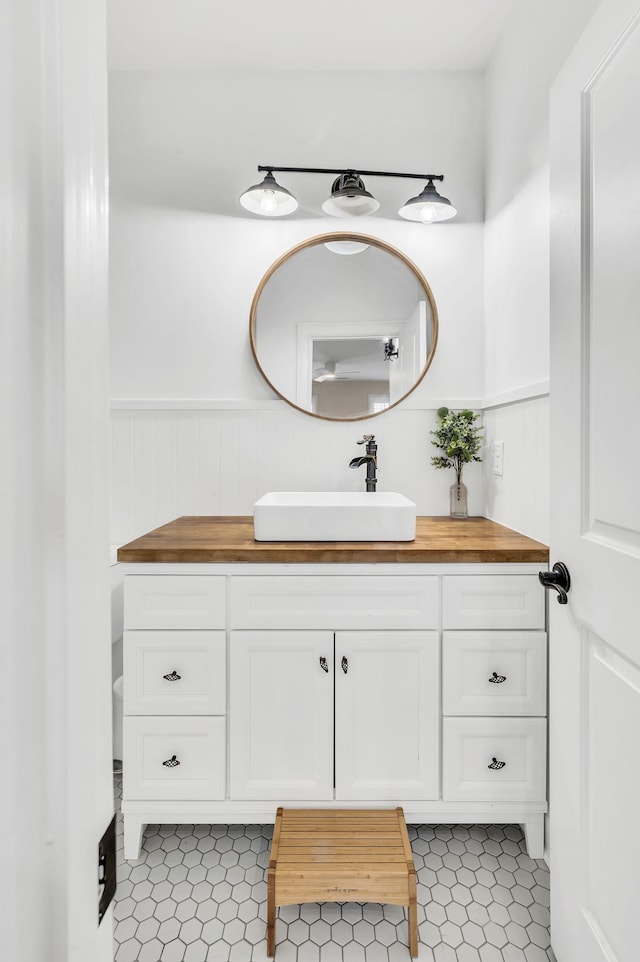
<point x="413" y="915"/>
<point x="271" y="886"/>
<point x="413" y="929"/>
<point x="271" y="914"/>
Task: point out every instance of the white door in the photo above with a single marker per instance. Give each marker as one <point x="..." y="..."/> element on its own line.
<point x="387" y="715"/>
<point x="412" y="353"/>
<point x="281" y="714"/>
<point x="595" y="638"/>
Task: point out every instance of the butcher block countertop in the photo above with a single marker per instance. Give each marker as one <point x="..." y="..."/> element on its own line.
<point x="439" y="540"/>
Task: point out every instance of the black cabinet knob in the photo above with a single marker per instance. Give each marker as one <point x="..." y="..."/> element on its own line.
<point x="496" y="765"/>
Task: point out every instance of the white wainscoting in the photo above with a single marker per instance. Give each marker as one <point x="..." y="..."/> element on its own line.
<point x="179" y="457"/>
<point x="520" y="498"/>
<point x="219" y="461"/>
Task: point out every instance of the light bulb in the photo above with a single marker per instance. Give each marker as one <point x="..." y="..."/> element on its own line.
<point x="426" y="214"/>
<point x="268" y="202"/>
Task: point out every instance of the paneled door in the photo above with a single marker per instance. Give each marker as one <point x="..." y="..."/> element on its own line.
<point x="595" y="389"/>
<point x="281" y="714"/>
<point x="387" y="714"/>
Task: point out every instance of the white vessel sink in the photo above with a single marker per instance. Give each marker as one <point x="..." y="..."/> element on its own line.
<point x="334" y="516"/>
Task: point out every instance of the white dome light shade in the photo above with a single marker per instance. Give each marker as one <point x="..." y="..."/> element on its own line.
<point x="349" y="198"/>
<point x="345" y="247"/>
<point x="428" y="207"/>
<point x="269" y="199"/>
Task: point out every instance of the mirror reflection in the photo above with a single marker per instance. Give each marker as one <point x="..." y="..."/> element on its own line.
<point x="343" y="331"/>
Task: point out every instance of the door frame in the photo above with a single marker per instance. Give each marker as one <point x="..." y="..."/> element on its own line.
<point x="55" y="562"/>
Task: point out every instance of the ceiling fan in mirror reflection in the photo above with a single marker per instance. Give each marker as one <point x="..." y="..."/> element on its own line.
<point x="328" y="372"/>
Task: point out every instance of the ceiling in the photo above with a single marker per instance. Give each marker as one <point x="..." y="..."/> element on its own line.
<point x="298" y="35"/>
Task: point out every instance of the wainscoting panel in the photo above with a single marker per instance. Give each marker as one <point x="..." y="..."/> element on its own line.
<point x="520" y="498"/>
<point x="219" y="460"/>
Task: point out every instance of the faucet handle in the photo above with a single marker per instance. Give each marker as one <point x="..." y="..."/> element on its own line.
<point x="366" y="438"/>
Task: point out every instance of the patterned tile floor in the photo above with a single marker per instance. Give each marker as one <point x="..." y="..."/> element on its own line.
<point x="198" y="894"/>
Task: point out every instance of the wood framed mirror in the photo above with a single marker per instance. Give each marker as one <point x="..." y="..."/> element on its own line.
<point x="343" y="326"/>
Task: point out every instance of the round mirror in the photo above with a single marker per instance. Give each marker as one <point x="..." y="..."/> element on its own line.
<point x="343" y="326"/>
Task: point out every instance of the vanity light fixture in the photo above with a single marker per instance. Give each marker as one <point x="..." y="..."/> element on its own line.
<point x="428" y="207"/>
<point x="349" y="197"/>
<point x="268" y="198"/>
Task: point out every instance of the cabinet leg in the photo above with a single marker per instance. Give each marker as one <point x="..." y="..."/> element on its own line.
<point x="533" y="830"/>
<point x="133" y="831"/>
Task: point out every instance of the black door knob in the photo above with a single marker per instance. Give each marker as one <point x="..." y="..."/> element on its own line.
<point x="559" y="579"/>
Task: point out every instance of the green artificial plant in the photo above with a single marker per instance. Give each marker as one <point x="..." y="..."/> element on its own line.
<point x="459" y="438"/>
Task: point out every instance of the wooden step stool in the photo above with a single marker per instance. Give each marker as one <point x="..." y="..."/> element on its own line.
<point x="341" y="855"/>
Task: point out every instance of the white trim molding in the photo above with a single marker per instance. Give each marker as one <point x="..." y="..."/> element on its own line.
<point x="527" y="392"/>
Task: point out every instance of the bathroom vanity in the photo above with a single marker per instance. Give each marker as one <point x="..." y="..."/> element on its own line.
<point x="260" y="674"/>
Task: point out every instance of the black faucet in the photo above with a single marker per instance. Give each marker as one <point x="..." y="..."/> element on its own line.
<point x="370" y="459"/>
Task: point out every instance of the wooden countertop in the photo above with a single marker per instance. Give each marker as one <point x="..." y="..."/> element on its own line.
<point x="230" y="539"/>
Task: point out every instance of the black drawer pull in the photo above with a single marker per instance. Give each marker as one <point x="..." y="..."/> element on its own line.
<point x="496" y="765"/>
<point x="497" y="679"/>
<point x="172" y="676"/>
<point x="323" y="663"/>
<point x="171" y="762"/>
<point x="345" y="664"/>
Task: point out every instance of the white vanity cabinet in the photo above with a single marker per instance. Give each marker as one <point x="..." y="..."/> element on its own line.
<point x="319" y="715"/>
<point x="334" y="685"/>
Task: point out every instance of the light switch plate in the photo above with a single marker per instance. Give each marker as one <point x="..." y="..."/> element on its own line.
<point x="498" y="458"/>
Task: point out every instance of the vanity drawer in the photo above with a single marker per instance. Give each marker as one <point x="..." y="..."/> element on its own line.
<point x="174" y="672"/>
<point x="471" y="746"/>
<point x="492" y="601"/>
<point x="195" y="746"/>
<point x="334" y="602"/>
<point x="174" y="601"/>
<point x="494" y="672"/>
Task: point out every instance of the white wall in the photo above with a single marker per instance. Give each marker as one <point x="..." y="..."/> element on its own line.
<point x="537" y="38"/>
<point x="186" y="261"/>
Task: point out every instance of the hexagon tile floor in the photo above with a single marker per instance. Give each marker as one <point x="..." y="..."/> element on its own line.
<point x="198" y="894"/>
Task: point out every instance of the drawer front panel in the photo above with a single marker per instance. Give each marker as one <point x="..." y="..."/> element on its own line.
<point x="334" y="602"/>
<point x="197" y="744"/>
<point x="492" y="601"/>
<point x="174" y="601"/>
<point x="174" y="672"/>
<point x="494" y="759"/>
<point x="494" y="673"/>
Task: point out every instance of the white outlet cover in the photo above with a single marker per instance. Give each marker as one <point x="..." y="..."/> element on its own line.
<point x="498" y="458"/>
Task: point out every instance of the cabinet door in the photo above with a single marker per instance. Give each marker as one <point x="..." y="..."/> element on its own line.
<point x="281" y="715"/>
<point x="387" y="715"/>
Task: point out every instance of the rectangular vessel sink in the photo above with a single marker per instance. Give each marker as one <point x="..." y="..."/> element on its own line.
<point x="334" y="516"/>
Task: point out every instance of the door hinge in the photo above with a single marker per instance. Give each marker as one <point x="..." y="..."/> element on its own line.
<point x="106" y="869"/>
